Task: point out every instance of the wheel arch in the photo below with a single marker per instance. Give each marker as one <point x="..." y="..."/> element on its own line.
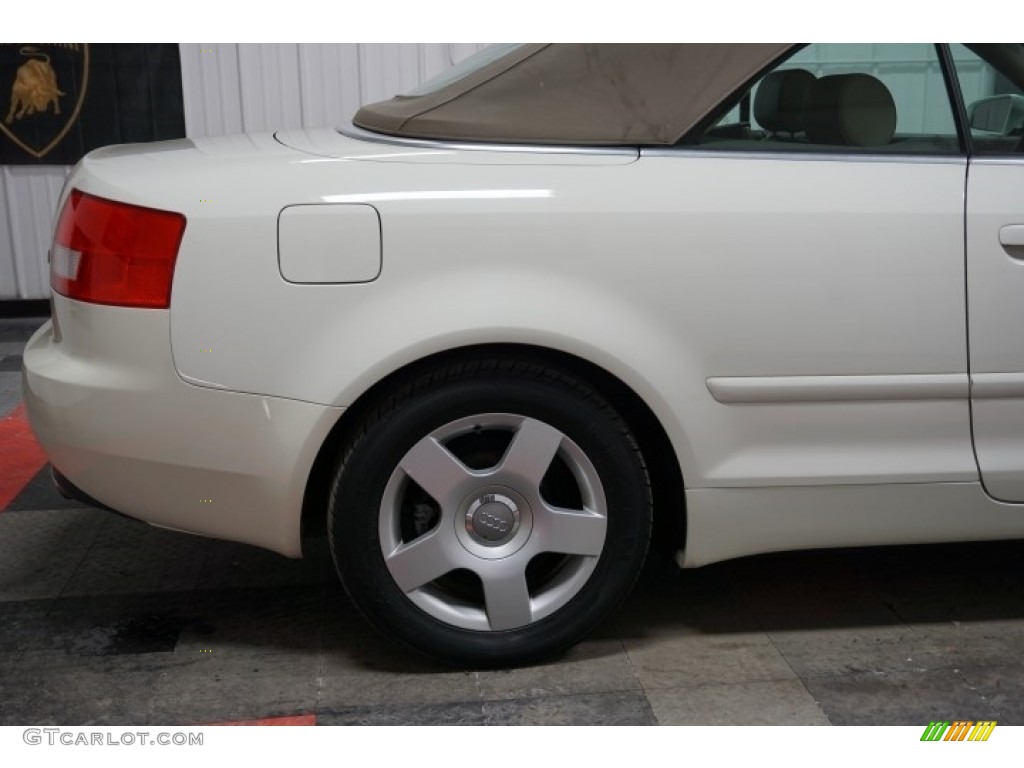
<point x="669" y="534"/>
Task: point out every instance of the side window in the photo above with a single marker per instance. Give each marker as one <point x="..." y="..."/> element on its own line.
<point x="844" y="97"/>
<point x="995" y="105"/>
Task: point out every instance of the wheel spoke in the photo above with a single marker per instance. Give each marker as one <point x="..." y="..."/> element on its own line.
<point x="435" y="469"/>
<point x="570" y="532"/>
<point x="506" y="596"/>
<point x="420" y="561"/>
<point x="531" y="452"/>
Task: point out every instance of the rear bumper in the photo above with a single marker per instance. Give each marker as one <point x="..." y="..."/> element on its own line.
<point x="115" y="419"/>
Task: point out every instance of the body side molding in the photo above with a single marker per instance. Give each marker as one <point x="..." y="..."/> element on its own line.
<point x="818" y="389"/>
<point x="994" y="386"/>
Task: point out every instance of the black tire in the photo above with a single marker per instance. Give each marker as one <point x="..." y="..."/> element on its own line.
<point x="373" y="500"/>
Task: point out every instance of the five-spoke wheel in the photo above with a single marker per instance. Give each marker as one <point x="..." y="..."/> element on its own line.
<point x="491" y="514"/>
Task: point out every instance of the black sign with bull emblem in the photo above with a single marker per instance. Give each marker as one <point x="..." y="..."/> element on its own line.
<point x="61" y="100"/>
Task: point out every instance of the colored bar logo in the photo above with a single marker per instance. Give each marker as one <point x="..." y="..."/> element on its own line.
<point x="958" y="730"/>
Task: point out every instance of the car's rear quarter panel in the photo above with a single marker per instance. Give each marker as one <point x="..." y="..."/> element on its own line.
<point x="666" y="276"/>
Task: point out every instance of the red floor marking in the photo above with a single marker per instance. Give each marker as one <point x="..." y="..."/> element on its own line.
<point x="284" y="720"/>
<point x="21" y="458"/>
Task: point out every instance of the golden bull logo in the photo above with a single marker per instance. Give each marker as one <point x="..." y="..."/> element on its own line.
<point x="46" y="84"/>
<point x="35" y="87"/>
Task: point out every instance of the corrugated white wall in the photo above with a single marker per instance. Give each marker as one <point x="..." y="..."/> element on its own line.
<point x="227" y="88"/>
<point x="28" y="196"/>
<point x="232" y="88"/>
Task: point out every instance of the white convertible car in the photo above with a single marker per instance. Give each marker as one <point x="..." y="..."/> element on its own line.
<point x="560" y="305"/>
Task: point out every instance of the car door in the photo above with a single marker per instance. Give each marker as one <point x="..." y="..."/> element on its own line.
<point x="820" y="221"/>
<point x="990" y="77"/>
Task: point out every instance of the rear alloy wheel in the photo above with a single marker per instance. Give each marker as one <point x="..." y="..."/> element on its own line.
<point x="491" y="514"/>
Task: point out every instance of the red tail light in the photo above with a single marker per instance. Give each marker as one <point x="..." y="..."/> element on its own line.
<point x="107" y="252"/>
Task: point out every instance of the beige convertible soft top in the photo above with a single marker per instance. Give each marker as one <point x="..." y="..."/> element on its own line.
<point x="563" y="93"/>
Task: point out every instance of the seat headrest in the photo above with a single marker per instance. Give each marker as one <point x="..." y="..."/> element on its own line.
<point x="854" y="110"/>
<point x="781" y="99"/>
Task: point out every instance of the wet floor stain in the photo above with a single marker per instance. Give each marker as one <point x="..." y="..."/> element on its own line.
<point x="141" y="633"/>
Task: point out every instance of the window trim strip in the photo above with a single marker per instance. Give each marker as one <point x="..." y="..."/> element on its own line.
<point x="955" y="93"/>
<point x="855" y="157"/>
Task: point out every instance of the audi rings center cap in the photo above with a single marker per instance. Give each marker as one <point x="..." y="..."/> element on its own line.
<point x="492" y="519"/>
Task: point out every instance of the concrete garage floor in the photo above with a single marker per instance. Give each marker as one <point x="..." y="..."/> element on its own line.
<point x="107" y="620"/>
